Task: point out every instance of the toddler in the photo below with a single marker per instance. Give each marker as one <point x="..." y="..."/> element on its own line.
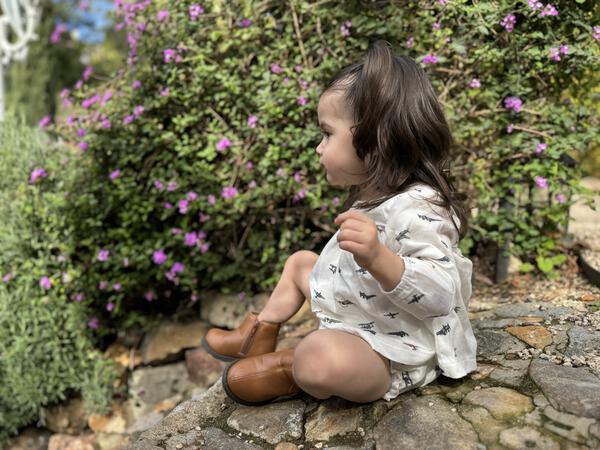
<point x="391" y="287"/>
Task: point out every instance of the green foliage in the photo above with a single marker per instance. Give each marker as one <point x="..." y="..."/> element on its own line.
<point x="45" y="348"/>
<point x="222" y="74"/>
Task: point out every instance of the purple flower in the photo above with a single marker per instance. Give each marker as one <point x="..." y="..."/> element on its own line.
<point x="249" y="165"/>
<point x="596" y="33"/>
<point x="162" y="15"/>
<point x="204" y="247"/>
<point x="110" y="306"/>
<point x="535" y="4"/>
<point x="252" y="121"/>
<point x="245" y="23"/>
<point x="436" y="25"/>
<point x="159" y="257"/>
<point x="223" y="144"/>
<point x="7" y="277"/>
<point x="164" y="92"/>
<point x="103" y="255"/>
<point x="541" y="182"/>
<point x="93" y="322"/>
<point x="276" y="68"/>
<point x="430" y="59"/>
<point x="509" y="22"/>
<point x="229" y="192"/>
<point x="474" y="83"/>
<point x="171" y="186"/>
<point x="45" y="283"/>
<point x="125" y="262"/>
<point x="195" y="10"/>
<point x="540" y="148"/>
<point x="510" y="128"/>
<point x="211" y="199"/>
<point x="103" y="285"/>
<point x="105" y="124"/>
<point x="191" y="196"/>
<point x="158" y="185"/>
<point x="554" y="54"/>
<point x="560" y="198"/>
<point x="410" y="42"/>
<point x="513" y="103"/>
<point x="115" y="174"/>
<point x="150" y="296"/>
<point x="301" y="100"/>
<point x="78" y="297"/>
<point x="128" y="119"/>
<point x="136" y="84"/>
<point x="549" y="10"/>
<point x="117" y="286"/>
<point x="183" y="206"/>
<point x="36" y="174"/>
<point x="138" y="110"/>
<point x="191" y="239"/>
<point x="87" y="73"/>
<point x="168" y="55"/>
<point x="564" y="49"/>
<point x="44" y="122"/>
<point x="176" y="230"/>
<point x="168" y="205"/>
<point x="252" y="184"/>
<point x="177" y="267"/>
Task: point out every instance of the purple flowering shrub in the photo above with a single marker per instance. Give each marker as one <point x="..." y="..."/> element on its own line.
<point x="197" y="165"/>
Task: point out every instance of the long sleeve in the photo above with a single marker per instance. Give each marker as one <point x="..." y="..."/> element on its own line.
<point x="424" y="239"/>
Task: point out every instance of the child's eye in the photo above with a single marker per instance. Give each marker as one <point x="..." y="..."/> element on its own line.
<point x="325" y="133"/>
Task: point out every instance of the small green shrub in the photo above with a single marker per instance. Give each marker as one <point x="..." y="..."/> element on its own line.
<point x="46" y="350"/>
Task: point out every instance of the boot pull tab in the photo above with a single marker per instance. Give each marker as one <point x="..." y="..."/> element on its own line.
<point x="248" y="339"/>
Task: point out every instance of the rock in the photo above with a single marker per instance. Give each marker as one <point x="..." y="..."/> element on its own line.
<point x="68" y="442"/>
<point x="108" y="423"/>
<point x="482" y="372"/>
<point x="106" y="441"/>
<point x="144" y="422"/>
<point x="67" y="418"/>
<point x="228" y="311"/>
<point x="186" y="416"/>
<point x="273" y="422"/>
<point x="574" y="390"/>
<point x="202" y="368"/>
<point x="501" y="402"/>
<point x="171" y="338"/>
<point x="424" y="423"/>
<point x="334" y="416"/>
<point x="508" y="377"/>
<point x="215" y="438"/>
<point x="581" y="339"/>
<point x="286" y="446"/>
<point x="568" y="426"/>
<point x="531" y="309"/>
<point x="518" y="438"/>
<point x="493" y="345"/>
<point x="487" y="428"/>
<point x="534" y="335"/>
<point x="151" y="385"/>
<point x="30" y="438"/>
<point x="125" y="357"/>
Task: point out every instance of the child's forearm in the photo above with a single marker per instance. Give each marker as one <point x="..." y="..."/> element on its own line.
<point x="387" y="268"/>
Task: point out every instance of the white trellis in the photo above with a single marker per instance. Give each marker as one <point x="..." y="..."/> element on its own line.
<point x="18" y="20"/>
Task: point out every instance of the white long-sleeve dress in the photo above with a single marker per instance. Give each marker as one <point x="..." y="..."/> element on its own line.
<point x="423" y="321"/>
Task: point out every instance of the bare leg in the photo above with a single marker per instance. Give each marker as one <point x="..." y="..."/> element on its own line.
<point x="334" y="362"/>
<point x="292" y="289"/>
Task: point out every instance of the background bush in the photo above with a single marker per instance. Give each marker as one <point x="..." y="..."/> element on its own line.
<point x="46" y="351"/>
<point x="201" y="152"/>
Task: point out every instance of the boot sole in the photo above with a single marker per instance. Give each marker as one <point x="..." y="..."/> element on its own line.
<point x="214" y="354"/>
<point x="247" y="403"/>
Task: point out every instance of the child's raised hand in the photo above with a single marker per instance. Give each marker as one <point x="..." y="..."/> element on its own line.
<point x="358" y="235"/>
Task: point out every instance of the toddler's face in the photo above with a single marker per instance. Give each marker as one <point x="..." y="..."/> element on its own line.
<point x="337" y="154"/>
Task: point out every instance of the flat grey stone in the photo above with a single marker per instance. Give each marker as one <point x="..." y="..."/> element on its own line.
<point x="496" y="343"/>
<point x="581" y="339"/>
<point x="508" y="377"/>
<point x="573" y="428"/>
<point x="493" y="323"/>
<point x="531" y="309"/>
<point x="517" y="438"/>
<point x="575" y="390"/>
<point x="216" y="439"/>
<point x="415" y="424"/>
<point x="273" y="422"/>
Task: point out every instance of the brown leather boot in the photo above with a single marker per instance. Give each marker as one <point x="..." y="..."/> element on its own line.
<point x="252" y="337"/>
<point x="258" y="380"/>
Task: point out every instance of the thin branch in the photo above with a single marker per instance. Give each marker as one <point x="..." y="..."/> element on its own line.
<point x="529" y="130"/>
<point x="298" y="34"/>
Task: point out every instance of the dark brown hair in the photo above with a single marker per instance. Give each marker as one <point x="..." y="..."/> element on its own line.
<point x="399" y="132"/>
